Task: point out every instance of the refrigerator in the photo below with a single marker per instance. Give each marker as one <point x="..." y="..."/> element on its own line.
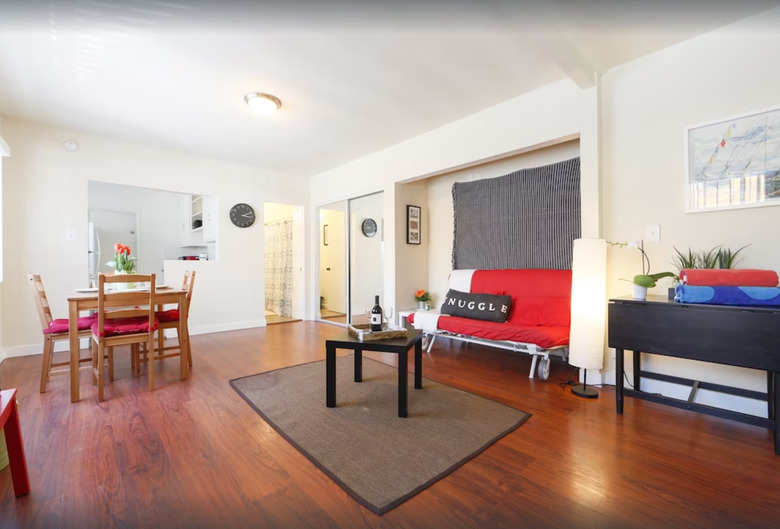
<point x="93" y="252"/>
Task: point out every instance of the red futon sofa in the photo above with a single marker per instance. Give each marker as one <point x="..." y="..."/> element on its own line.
<point x="534" y="303"/>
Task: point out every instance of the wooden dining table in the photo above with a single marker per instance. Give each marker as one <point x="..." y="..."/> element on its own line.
<point x="87" y="299"/>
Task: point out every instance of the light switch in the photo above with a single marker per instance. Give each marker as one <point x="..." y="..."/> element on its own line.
<point x="653" y="233"/>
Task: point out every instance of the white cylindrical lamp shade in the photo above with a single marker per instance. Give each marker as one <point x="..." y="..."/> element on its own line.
<point x="588" y="304"/>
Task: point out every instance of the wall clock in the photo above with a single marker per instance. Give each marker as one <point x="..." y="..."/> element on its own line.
<point x="368" y="227"/>
<point x="242" y="215"/>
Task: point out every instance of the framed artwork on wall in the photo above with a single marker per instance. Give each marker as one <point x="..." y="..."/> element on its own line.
<point x="324" y="234"/>
<point x="413" y="218"/>
<point x="733" y="163"/>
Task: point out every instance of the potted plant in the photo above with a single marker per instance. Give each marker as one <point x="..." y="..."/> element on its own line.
<point x="122" y="263"/>
<point x="423" y="298"/>
<point x="718" y="257"/>
<point x="644" y="280"/>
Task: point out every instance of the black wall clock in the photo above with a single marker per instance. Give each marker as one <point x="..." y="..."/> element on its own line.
<point x="368" y="227"/>
<point x="242" y="215"/>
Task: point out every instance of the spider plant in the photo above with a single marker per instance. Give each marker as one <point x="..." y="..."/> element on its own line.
<point x="727" y="258"/>
<point x="709" y="259"/>
<point x="689" y="259"/>
<point x="717" y="257"/>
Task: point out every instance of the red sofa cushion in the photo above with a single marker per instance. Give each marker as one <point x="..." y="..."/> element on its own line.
<point x="539" y="297"/>
<point x="544" y="337"/>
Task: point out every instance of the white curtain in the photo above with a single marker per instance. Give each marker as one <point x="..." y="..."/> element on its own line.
<point x="278" y="267"/>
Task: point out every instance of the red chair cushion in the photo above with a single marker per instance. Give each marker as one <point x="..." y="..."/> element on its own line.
<point x="167" y="315"/>
<point x="61" y="325"/>
<point x="124" y="326"/>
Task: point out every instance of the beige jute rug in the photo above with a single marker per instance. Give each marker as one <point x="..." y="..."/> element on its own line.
<point x="380" y="459"/>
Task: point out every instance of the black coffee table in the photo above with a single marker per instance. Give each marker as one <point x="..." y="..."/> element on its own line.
<point x="399" y="346"/>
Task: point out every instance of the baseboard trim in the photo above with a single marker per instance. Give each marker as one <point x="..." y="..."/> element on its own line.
<point x="59" y="347"/>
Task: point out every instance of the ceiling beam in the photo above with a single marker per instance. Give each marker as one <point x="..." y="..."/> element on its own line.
<point x="541" y="24"/>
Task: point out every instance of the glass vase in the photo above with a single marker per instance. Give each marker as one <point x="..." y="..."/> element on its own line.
<point x="123" y="286"/>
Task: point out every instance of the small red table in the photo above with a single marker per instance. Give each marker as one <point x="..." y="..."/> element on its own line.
<point x="9" y="420"/>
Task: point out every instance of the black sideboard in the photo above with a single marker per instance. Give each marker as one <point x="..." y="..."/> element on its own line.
<point x="723" y="334"/>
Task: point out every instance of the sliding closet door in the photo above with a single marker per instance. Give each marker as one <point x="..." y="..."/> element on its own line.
<point x="352" y="253"/>
<point x="366" y="255"/>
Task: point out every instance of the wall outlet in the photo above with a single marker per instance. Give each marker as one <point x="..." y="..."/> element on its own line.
<point x="653" y="233"/>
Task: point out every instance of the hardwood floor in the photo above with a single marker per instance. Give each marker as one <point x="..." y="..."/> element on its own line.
<point x="193" y="454"/>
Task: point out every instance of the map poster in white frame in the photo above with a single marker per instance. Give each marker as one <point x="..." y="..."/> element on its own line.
<point x="733" y="163"/>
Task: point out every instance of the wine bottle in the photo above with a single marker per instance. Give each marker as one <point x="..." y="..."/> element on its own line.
<point x="376" y="316"/>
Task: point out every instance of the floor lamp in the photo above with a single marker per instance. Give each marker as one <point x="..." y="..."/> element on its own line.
<point x="588" y="310"/>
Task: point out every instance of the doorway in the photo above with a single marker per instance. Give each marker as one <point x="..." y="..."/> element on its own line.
<point x="107" y="228"/>
<point x="283" y="266"/>
<point x="333" y="263"/>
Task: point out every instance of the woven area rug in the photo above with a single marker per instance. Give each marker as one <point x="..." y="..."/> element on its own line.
<point x="380" y="459"/>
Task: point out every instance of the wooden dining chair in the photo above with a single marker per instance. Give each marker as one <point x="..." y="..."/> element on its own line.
<point x="54" y="331"/>
<point x="122" y="320"/>
<point x="169" y="319"/>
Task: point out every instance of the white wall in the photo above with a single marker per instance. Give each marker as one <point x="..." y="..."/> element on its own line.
<point x="4" y="151"/>
<point x="647" y="106"/>
<point x="45" y="193"/>
<point x="413" y="259"/>
<point x="273" y="212"/>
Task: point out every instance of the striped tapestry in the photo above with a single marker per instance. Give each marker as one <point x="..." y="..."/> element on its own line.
<point x="526" y="219"/>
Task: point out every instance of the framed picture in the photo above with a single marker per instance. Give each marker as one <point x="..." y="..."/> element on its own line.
<point x="733" y="163"/>
<point x="413" y="218"/>
<point x="325" y="234"/>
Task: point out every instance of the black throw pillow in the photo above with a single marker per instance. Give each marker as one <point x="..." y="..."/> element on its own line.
<point x="488" y="307"/>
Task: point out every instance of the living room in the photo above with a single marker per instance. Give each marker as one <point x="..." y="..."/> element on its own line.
<point x="630" y="133"/>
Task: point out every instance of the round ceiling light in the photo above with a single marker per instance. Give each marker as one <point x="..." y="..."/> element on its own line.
<point x="263" y="104"/>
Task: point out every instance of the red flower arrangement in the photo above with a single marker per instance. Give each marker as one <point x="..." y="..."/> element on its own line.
<point x="122" y="262"/>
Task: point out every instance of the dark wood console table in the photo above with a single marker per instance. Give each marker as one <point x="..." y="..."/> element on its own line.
<point x="723" y="334"/>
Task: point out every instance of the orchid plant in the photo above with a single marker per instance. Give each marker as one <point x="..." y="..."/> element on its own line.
<point x="122" y="262"/>
<point x="645" y="279"/>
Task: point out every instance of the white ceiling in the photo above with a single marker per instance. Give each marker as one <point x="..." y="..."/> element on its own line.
<point x="354" y="76"/>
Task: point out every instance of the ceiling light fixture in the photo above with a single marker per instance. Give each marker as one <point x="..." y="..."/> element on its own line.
<point x="263" y="104"/>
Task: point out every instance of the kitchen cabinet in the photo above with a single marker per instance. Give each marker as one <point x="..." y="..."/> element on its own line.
<point x="199" y="223"/>
<point x="192" y="220"/>
<point x="199" y="226"/>
<point x="209" y="217"/>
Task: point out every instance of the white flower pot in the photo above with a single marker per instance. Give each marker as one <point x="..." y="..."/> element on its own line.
<point x="640" y="292"/>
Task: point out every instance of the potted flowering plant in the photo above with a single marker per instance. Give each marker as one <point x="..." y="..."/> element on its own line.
<point x="423" y="298"/>
<point x="122" y="263"/>
<point x="644" y="280"/>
